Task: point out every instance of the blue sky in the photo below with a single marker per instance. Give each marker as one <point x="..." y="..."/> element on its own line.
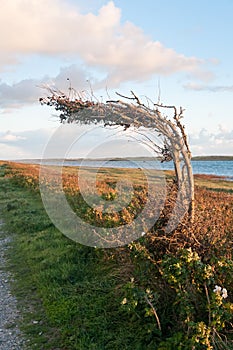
<point x="124" y="45"/>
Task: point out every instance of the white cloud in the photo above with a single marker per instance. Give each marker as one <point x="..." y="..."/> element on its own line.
<point x="206" y="143"/>
<point x="71" y="141"/>
<point x="17" y="94"/>
<point x="10" y="137"/>
<point x="210" y="88"/>
<point x="10" y="152"/>
<point x="56" y="27"/>
<point x="88" y="141"/>
<point x="26" y="144"/>
<point x="28" y="91"/>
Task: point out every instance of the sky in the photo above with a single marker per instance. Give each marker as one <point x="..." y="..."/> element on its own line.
<point x="179" y="50"/>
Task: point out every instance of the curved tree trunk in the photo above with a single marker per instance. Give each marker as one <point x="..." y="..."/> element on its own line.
<point x="125" y="114"/>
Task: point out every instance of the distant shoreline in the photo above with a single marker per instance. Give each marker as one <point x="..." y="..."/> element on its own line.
<point x="116" y="159"/>
<point x="213" y="158"/>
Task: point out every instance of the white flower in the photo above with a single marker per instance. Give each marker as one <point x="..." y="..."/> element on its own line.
<point x="35" y="322"/>
<point x="124" y="301"/>
<point x="217" y="289"/>
<point x="143" y="233"/>
<point x="224" y="293"/>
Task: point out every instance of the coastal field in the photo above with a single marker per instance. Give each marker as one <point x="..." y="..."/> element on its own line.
<point x="163" y="291"/>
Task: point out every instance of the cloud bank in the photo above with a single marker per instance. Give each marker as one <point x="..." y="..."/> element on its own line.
<point x="28" y="91"/>
<point x="31" y="144"/>
<point x="207" y="143"/>
<point x="57" y="28"/>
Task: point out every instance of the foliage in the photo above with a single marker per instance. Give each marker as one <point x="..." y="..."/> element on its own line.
<point x="184" y="302"/>
<point x="199" y="301"/>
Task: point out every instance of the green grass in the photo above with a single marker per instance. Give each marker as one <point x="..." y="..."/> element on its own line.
<point x="69" y="296"/>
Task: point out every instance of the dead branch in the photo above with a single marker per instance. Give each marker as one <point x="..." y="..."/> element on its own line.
<point x="126" y="112"/>
<point x="154" y="312"/>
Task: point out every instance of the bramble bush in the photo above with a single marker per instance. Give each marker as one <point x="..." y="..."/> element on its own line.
<point x="193" y="293"/>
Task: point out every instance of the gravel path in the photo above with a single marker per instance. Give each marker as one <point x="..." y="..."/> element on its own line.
<point x="10" y="337"/>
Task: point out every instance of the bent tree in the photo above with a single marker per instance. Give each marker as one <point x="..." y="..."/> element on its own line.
<point x="129" y="112"/>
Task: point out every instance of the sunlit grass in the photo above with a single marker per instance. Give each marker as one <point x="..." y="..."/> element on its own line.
<point x="214" y="182"/>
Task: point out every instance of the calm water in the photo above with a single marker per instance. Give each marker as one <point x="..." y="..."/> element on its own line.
<point x="221" y="168"/>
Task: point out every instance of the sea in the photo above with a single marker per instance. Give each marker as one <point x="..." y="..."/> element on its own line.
<point x="209" y="167"/>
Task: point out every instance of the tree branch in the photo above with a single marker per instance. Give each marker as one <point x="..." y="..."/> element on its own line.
<point x="154" y="312"/>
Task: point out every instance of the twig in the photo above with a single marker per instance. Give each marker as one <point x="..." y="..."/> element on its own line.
<point x="159" y="92"/>
<point x="127" y="97"/>
<point x="136" y="98"/>
<point x="208" y="300"/>
<point x="154" y="312"/>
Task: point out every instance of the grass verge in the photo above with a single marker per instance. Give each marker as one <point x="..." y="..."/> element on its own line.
<point x="68" y="293"/>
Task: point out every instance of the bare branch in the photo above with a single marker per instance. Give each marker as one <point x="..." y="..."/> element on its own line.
<point x="154" y="312"/>
<point x="160" y="105"/>
<point x="80" y="107"/>
<point x="136" y="98"/>
<point x="126" y="97"/>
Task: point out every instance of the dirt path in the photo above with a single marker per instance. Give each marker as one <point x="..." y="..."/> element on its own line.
<point x="10" y="337"/>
